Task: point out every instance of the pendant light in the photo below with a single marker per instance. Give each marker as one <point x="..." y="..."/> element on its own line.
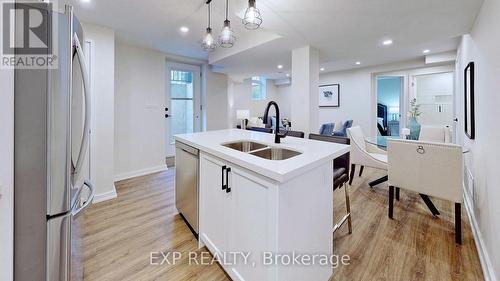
<point x="226" y="37"/>
<point x="208" y="43"/>
<point x="252" y="19"/>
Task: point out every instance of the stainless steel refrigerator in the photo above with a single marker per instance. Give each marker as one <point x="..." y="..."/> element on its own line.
<point x="52" y="115"/>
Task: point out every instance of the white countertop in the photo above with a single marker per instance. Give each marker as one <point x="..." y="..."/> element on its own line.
<point x="314" y="153"/>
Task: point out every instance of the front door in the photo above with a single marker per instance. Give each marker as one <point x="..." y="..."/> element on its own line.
<point x="182" y="111"/>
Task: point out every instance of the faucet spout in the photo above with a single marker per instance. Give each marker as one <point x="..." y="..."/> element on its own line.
<point x="277" y="135"/>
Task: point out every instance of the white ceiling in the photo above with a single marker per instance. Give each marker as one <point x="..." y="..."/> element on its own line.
<point x="344" y="31"/>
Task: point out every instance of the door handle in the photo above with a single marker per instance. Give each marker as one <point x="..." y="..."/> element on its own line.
<point x="86" y="88"/>
<point x="76" y="212"/>
<point x="228" y="189"/>
<point x="224" y="186"/>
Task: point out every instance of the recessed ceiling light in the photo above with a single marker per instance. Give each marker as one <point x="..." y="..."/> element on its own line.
<point x="387" y="42"/>
<point x="184" y="29"/>
<point x="358" y="63"/>
<point x="85" y="1"/>
<point x="322" y="69"/>
<point x="280" y="66"/>
<point x="426" y="51"/>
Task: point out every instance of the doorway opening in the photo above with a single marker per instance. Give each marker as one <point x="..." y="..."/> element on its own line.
<point x="389" y="99"/>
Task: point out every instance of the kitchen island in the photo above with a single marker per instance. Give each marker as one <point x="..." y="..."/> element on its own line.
<point x="266" y="209"/>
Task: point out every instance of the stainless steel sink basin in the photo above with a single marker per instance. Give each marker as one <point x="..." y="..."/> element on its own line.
<point x="275" y="153"/>
<point x="245" y="146"/>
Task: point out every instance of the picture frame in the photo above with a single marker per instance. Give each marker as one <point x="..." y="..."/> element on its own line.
<point x="329" y="95"/>
<point x="469" y="109"/>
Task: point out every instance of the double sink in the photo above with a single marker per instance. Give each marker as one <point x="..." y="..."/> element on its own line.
<point x="262" y="150"/>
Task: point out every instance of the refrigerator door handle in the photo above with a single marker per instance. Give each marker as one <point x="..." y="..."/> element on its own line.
<point x="76" y="212"/>
<point x="86" y="89"/>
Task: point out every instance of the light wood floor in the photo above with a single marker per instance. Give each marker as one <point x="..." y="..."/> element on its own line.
<point x="120" y="234"/>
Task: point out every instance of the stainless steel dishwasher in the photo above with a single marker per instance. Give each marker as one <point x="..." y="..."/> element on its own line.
<point x="186" y="183"/>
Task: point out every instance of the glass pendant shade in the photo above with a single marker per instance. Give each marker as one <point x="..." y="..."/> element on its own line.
<point x="208" y="43"/>
<point x="226" y="37"/>
<point x="252" y="18"/>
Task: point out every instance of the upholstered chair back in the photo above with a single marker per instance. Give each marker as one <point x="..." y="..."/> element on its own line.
<point x="431" y="168"/>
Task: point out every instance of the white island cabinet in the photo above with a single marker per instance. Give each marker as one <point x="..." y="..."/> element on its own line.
<point x="256" y="215"/>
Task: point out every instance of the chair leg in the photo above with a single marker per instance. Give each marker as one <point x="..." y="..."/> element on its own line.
<point x="458" y="223"/>
<point x="351" y="177"/>
<point x="348" y="207"/>
<point x="391" y="201"/>
<point x="361" y="170"/>
<point x="397" y="193"/>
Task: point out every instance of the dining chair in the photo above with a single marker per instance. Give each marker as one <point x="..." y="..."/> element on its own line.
<point x="259" y="129"/>
<point x="365" y="154"/>
<point x="429" y="168"/>
<point x="435" y="134"/>
<point x="297" y="134"/>
<point x="340" y="176"/>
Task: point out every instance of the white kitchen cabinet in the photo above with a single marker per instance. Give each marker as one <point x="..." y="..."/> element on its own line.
<point x="252" y="224"/>
<point x="258" y="215"/>
<point x="214" y="217"/>
<point x="237" y="219"/>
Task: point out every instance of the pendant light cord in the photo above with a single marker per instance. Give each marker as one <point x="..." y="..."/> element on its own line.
<point x="227" y="5"/>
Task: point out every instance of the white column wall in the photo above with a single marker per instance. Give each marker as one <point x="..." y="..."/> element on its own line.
<point x="304" y="96"/>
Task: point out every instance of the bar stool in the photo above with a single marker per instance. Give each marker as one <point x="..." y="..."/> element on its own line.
<point x="340" y="177"/>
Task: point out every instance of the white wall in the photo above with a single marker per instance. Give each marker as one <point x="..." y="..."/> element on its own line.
<point x="240" y="97"/>
<point x="358" y="93"/>
<point x="6" y="173"/>
<point x="140" y="136"/>
<point x="140" y="99"/>
<point x="103" y="93"/>
<point x="304" y="94"/>
<point x="483" y="160"/>
<point x="284" y="99"/>
<point x="216" y="107"/>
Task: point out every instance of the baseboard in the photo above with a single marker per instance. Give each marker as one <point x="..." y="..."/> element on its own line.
<point x="484" y="259"/>
<point x="105" y="196"/>
<point x="141" y="172"/>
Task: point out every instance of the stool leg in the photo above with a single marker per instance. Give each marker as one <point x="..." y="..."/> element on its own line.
<point x="397" y="193"/>
<point x="348" y="207"/>
<point x="353" y="169"/>
<point x="458" y="223"/>
<point x="391" y="201"/>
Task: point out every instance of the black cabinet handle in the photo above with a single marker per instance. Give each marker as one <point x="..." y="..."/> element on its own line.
<point x="224" y="185"/>
<point x="228" y="189"/>
<point x="166" y="115"/>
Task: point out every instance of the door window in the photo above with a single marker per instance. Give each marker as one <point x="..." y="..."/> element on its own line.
<point x="182" y="103"/>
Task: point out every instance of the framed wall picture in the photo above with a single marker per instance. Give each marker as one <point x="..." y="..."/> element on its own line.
<point x="469" y="112"/>
<point x="329" y="95"/>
